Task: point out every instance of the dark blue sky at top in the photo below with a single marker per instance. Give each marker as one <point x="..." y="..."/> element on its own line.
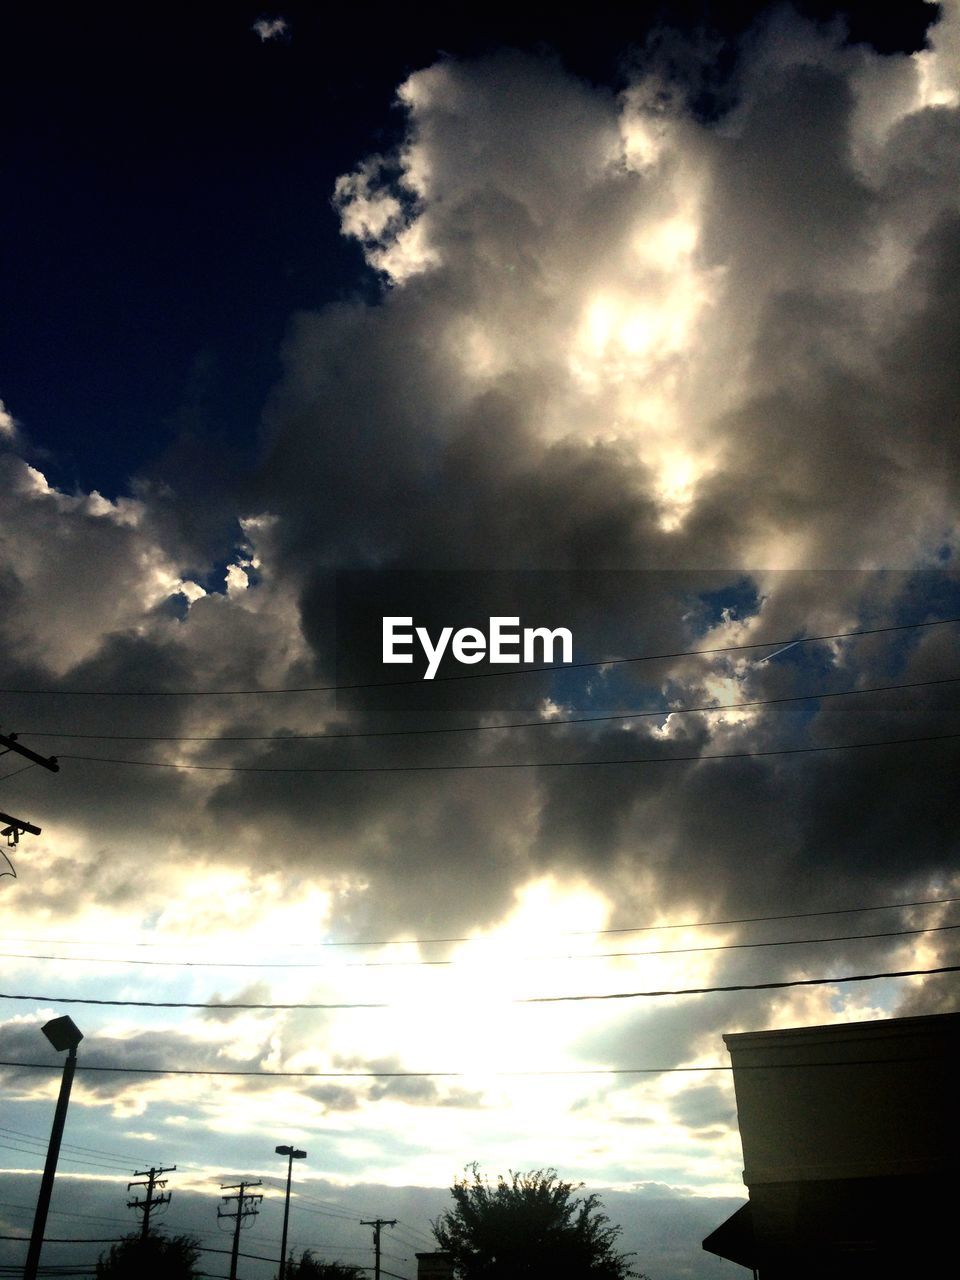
<point x="166" y="196"/>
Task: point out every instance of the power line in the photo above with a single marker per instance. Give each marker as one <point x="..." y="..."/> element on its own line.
<point x="572" y="933"/>
<point x="68" y="1239"/>
<point x="446" y="1075"/>
<point x="182" y="1004"/>
<point x="519" y="764"/>
<point x="477" y="675"/>
<point x="258" y="1256"/>
<point x="745" y="986"/>
<point x="400" y="964"/>
<point x="405" y="1228"/>
<point x="485" y="728"/>
<point x="13" y="772"/>
<point x="66" y="1157"/>
<point x="298" y="1197"/>
<point x="63" y="1213"/>
<point x="72" y="1146"/>
<point x="625" y="995"/>
<point x="108" y="1239"/>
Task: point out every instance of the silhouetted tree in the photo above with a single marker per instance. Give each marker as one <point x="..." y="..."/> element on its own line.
<point x="159" y="1257"/>
<point x="530" y="1224"/>
<point x="309" y="1267"/>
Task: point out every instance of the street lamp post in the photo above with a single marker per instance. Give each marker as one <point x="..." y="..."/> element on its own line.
<point x="63" y="1034"/>
<point x="293" y="1154"/>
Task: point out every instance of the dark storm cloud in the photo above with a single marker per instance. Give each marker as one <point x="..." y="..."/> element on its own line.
<point x="255" y="993"/>
<point x="612" y="336"/>
<point x="157" y="1050"/>
<point x="147" y="1049"/>
<point x="704" y="1106"/>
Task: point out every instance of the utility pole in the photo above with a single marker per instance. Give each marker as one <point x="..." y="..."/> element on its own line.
<point x="146" y="1204"/>
<point x="377" y="1223"/>
<point x="241" y="1212"/>
<point x="14" y="828"/>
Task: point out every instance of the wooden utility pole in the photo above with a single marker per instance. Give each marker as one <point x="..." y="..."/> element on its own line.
<point x="149" y="1200"/>
<point x="241" y="1212"/>
<point x="13" y="828"/>
<point x="377" y="1223"/>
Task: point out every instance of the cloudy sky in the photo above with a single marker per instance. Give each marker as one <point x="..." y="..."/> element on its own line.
<point x="648" y="332"/>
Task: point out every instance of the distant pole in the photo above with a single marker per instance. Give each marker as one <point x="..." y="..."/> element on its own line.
<point x="242" y="1212"/>
<point x="377" y="1223"/>
<point x="146" y="1204"/>
<point x="63" y="1033"/>
<point x="293" y="1154"/>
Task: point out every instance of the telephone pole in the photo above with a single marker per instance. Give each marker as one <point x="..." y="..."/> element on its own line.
<point x="14" y="828"/>
<point x="377" y="1223"/>
<point x="241" y="1212"/>
<point x="146" y="1204"/>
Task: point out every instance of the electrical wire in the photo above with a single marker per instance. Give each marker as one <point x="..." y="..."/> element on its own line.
<point x="64" y="1213"/>
<point x="73" y="1146"/>
<point x="403" y="1228"/>
<point x="13" y="772"/>
<point x="572" y="933"/>
<point x="485" y="728"/>
<point x="120" y="1239"/>
<point x="68" y="1240"/>
<point x="745" y="986"/>
<point x="625" y="995"/>
<point x="400" y="964"/>
<point x="66" y="1156"/>
<point x="441" y="1075"/>
<point x="478" y="675"/>
<point x="519" y="764"/>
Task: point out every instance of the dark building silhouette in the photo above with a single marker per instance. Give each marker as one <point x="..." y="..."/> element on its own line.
<point x="434" y="1266"/>
<point x="850" y="1148"/>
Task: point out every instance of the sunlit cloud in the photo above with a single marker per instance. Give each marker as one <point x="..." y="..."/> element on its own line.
<point x="271" y="28"/>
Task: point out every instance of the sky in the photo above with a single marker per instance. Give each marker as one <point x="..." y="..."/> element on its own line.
<point x="643" y="326"/>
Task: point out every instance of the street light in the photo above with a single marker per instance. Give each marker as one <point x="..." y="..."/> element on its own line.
<point x="63" y="1034"/>
<point x="293" y="1154"/>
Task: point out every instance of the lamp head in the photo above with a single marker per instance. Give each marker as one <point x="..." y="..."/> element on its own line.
<point x="292" y="1152"/>
<point x="63" y="1033"/>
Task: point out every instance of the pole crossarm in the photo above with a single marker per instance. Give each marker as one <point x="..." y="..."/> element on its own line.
<point x="16" y="827"/>
<point x="9" y="741"/>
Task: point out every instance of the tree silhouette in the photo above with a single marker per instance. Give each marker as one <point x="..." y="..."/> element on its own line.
<point x="530" y="1224"/>
<point x="310" y="1267"/>
<point x="158" y="1257"/>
